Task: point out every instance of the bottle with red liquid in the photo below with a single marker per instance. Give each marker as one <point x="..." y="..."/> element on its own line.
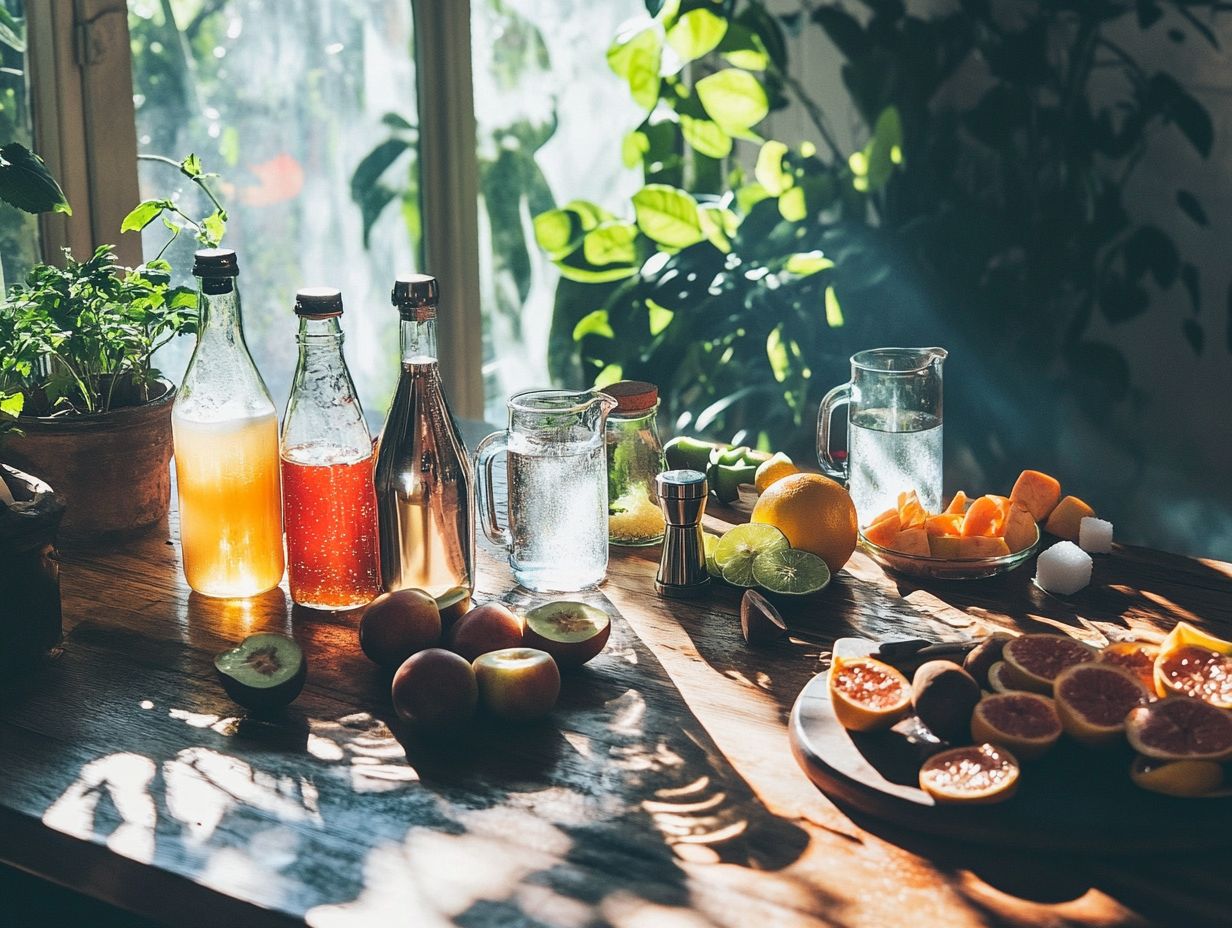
<point x="328" y="498"/>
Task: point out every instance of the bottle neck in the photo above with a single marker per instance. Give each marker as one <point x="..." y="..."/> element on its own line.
<point x="320" y="346"/>
<point x="418" y="339"/>
<point x="219" y="308"/>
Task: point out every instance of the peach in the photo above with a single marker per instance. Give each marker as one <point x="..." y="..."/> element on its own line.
<point x="911" y="541"/>
<point x="1038" y="492"/>
<point x="571" y="632"/>
<point x="397" y="625"/>
<point x="882" y="531"/>
<point x="485" y="628"/>
<point x="1020" y="529"/>
<point x="1066" y="518"/>
<point x="435" y="689"/>
<point x="518" y="684"/>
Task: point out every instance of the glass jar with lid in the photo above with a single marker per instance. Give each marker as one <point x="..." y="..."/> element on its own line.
<point x="634" y="458"/>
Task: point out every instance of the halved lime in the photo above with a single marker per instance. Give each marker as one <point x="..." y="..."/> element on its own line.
<point x="790" y="571"/>
<point x="709" y="543"/>
<point x="736" y="551"/>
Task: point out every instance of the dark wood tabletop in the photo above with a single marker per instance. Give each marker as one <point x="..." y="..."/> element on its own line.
<point x="661" y="792"/>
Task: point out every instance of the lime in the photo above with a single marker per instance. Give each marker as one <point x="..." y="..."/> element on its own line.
<point x="735" y="552"/>
<point x="709" y="543"/>
<point x="790" y="571"/>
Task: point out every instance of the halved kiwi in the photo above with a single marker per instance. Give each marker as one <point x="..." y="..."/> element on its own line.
<point x="263" y="672"/>
<point x="571" y="632"/>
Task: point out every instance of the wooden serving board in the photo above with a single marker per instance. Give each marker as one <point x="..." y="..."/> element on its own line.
<point x="1074" y="799"/>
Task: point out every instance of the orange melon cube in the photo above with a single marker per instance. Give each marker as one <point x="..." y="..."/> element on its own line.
<point x="987" y="516"/>
<point x="880" y="517"/>
<point x="982" y="546"/>
<point x="948" y="546"/>
<point x="947" y="523"/>
<point x="910" y="513"/>
<point x="911" y="541"/>
<point x="958" y="504"/>
<point x="1066" y="517"/>
<point x="1038" y="492"/>
<point x="883" y="531"/>
<point x="1020" y="530"/>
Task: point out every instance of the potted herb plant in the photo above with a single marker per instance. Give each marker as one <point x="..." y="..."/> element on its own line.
<point x="81" y="403"/>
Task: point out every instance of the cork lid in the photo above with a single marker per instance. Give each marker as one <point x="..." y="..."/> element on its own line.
<point x="633" y="396"/>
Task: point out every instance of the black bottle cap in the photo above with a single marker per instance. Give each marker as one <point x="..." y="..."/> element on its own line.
<point x="415" y="290"/>
<point x="215" y="262"/>
<point x="319" y="302"/>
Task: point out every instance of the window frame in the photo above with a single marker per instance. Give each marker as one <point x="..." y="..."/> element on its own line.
<point x="80" y="61"/>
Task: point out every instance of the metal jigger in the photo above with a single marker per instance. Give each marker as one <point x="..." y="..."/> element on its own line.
<point x="682" y="568"/>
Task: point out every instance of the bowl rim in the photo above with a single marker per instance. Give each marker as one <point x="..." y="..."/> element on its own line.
<point x="1013" y="558"/>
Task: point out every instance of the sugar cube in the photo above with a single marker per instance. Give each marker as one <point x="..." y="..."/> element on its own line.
<point x="1064" y="568"/>
<point x="1095" y="535"/>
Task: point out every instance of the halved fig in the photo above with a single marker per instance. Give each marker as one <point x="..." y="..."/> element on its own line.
<point x="264" y="671"/>
<point x="571" y="632"/>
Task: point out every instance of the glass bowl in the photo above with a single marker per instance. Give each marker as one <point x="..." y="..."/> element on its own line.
<point x="948" y="568"/>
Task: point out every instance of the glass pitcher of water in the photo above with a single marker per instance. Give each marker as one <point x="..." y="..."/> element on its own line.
<point x="893" y="428"/>
<point x="557" y="489"/>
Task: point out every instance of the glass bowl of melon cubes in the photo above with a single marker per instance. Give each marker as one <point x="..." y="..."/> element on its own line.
<point x="972" y="538"/>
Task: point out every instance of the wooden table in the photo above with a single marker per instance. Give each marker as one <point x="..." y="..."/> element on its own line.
<point x="661" y="792"/>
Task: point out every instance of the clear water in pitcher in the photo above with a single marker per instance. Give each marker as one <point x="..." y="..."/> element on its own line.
<point x="558" y="510"/>
<point x="891" y="451"/>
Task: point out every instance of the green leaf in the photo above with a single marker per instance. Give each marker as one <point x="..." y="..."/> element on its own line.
<point x="637" y="60"/>
<point x="11" y="31"/>
<point x="834" y="312"/>
<point x="715" y="222"/>
<point x="776" y="351"/>
<point x="696" y="33"/>
<point x="611" y="243"/>
<point x="214" y="227"/>
<point x="667" y="215"/>
<point x="749" y="195"/>
<point x="770" y="172"/>
<point x="705" y="136"/>
<point x="595" y="323"/>
<point x="11" y="404"/>
<point x="609" y="375"/>
<point x="660" y="317"/>
<point x="557" y="232"/>
<point x="734" y="99"/>
<point x="26" y="183"/>
<point x="191" y="166"/>
<point x="806" y="263"/>
<point x="793" y="206"/>
<point x="590" y="214"/>
<point x="743" y="48"/>
<point x="633" y="146"/>
<point x="874" y="165"/>
<point x="143" y="214"/>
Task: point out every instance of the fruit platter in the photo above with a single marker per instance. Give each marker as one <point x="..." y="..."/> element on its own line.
<point x="1035" y="741"/>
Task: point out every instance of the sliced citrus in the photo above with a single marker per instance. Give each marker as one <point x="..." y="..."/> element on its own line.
<point x="1194" y="663"/>
<point x="815" y="513"/>
<point x="709" y="543"/>
<point x="981" y="773"/>
<point x="789" y="571"/>
<point x="868" y="694"/>
<point x="735" y="552"/>
<point x="997" y="680"/>
<point x="1187" y="778"/>
<point x="1180" y="728"/>
<point x="1137" y="657"/>
<point x="1093" y="700"/>
<point x="1026" y="723"/>
<point x="1034" y="661"/>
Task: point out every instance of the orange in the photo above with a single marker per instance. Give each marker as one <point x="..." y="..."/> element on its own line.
<point x="814" y="512"/>
<point x="1194" y="663"/>
<point x="981" y="773"/>
<point x="867" y="694"/>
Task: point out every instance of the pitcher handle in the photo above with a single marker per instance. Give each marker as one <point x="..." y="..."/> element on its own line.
<point x="485" y="456"/>
<point x="830" y="403"/>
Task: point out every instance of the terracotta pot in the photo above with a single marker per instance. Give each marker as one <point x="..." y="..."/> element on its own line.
<point x="30" y="580"/>
<point x="111" y="470"/>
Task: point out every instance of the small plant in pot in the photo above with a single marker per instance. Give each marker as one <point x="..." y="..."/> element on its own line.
<point x="81" y="403"/>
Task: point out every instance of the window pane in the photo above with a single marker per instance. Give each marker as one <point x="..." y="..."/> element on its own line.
<point x="541" y="83"/>
<point x="19" y="245"/>
<point x="284" y="99"/>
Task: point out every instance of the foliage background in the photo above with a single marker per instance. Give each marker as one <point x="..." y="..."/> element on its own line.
<point x="18" y="230"/>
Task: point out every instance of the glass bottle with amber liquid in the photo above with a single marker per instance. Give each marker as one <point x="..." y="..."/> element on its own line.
<point x="328" y="498"/>
<point x="424" y="482"/>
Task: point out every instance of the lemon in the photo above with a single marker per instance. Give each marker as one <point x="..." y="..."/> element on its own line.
<point x="736" y="551"/>
<point x="771" y="471"/>
<point x="789" y="571"/>
<point x="814" y="512"/>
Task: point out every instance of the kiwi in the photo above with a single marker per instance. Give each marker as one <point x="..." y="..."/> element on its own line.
<point x="263" y="672"/>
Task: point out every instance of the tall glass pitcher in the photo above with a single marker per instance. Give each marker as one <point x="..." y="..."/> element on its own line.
<point x="894" y="428"/>
<point x="557" y="489"/>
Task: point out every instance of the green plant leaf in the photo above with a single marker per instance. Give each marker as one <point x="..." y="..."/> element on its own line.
<point x="557" y="232"/>
<point x="143" y="214"/>
<point x="776" y="351"/>
<point x="770" y="172"/>
<point x="637" y="59"/>
<point x="11" y="404"/>
<point x="667" y="215"/>
<point x="742" y="48"/>
<point x="715" y="222"/>
<point x="806" y="263"/>
<point x="834" y="312"/>
<point x="793" y="205"/>
<point x="660" y="317"/>
<point x="26" y="183"/>
<point x="590" y="214"/>
<point x="191" y="166"/>
<point x="611" y="243"/>
<point x="696" y="33"/>
<point x="609" y="375"/>
<point x="874" y="165"/>
<point x="734" y="99"/>
<point x="705" y="136"/>
<point x="595" y="323"/>
<point x="214" y="227"/>
<point x="633" y="146"/>
<point x="12" y="31"/>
